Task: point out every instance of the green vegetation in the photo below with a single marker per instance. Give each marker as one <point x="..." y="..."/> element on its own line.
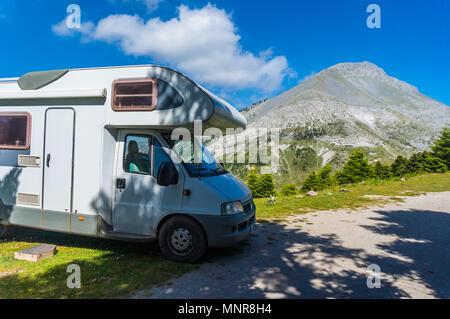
<point x="109" y="269"/>
<point x="441" y="147"/>
<point x="318" y="181"/>
<point x="260" y="185"/>
<point x="355" y="198"/>
<point x="361" y="178"/>
<point x="289" y="189"/>
<point x="358" y="169"/>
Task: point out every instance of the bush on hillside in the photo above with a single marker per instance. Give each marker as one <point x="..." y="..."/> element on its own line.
<point x="381" y="171"/>
<point x="441" y="147"/>
<point x="289" y="189"/>
<point x="357" y="169"/>
<point x="265" y="186"/>
<point x="399" y="167"/>
<point x="260" y="186"/>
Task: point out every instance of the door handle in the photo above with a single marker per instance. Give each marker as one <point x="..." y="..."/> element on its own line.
<point x="48" y="160"/>
<point x="121" y="183"/>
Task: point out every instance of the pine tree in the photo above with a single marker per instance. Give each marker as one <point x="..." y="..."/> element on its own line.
<point x="441" y="147"/>
<point x="310" y="183"/>
<point x="289" y="189"/>
<point x="357" y="169"/>
<point x="415" y="164"/>
<point x="265" y="186"/>
<point x="324" y="177"/>
<point x="252" y="182"/>
<point x="398" y="168"/>
<point x="432" y="164"/>
<point x="382" y="171"/>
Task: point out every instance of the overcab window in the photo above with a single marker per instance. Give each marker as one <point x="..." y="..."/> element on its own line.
<point x="15" y="131"/>
<point x="135" y="95"/>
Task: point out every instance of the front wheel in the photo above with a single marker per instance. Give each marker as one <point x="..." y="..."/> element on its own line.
<point x="181" y="239"/>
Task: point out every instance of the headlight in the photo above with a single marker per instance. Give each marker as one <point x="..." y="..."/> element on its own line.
<point x="232" y="208"/>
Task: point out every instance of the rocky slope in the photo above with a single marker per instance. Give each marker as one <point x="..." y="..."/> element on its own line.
<point x="346" y="106"/>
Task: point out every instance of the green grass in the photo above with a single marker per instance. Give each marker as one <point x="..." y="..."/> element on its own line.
<point x="354" y="199"/>
<point x="109" y="269"/>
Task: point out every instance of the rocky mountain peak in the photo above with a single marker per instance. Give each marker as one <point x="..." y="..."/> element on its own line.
<point x="346" y="106"/>
<point x="361" y="69"/>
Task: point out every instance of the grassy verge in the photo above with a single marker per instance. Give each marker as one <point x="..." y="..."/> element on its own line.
<point x="109" y="269"/>
<point x="355" y="198"/>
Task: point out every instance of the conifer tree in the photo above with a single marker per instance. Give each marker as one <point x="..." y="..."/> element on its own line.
<point x="289" y="189"/>
<point x="252" y="182"/>
<point x="265" y="186"/>
<point x="357" y="169"/>
<point x="311" y="183"/>
<point x="441" y="147"/>
<point x="398" y="168"/>
<point x="382" y="171"/>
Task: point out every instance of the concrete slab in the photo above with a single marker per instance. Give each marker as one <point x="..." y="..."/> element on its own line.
<point x="36" y="253"/>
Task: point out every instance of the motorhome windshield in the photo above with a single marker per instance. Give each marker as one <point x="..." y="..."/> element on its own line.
<point x="201" y="164"/>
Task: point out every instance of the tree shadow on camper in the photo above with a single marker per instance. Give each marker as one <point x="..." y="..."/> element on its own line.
<point x="8" y="192"/>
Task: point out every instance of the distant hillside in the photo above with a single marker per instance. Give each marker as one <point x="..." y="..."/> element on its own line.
<point x="346" y="106"/>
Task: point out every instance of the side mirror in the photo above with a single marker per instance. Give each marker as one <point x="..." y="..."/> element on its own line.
<point x="167" y="174"/>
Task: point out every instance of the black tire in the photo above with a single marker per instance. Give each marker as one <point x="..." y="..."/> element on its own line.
<point x="181" y="239"/>
<point x="4" y="230"/>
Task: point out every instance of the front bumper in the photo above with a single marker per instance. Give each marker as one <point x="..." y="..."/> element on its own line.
<point x="224" y="231"/>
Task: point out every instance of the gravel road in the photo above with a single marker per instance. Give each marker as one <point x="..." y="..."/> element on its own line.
<point x="327" y="255"/>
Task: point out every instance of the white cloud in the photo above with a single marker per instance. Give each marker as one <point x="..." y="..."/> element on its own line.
<point x="62" y="29"/>
<point x="204" y="43"/>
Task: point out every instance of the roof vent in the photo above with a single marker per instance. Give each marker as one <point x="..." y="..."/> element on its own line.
<point x="37" y="80"/>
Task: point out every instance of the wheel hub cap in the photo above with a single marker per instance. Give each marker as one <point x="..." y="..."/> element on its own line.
<point x="181" y="239"/>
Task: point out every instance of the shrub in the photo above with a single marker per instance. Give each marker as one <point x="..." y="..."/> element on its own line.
<point x="382" y="171"/>
<point x="324" y="177"/>
<point x="252" y="182"/>
<point x="399" y="167"/>
<point x="311" y="183"/>
<point x="265" y="186"/>
<point x="441" y="147"/>
<point x="432" y="164"/>
<point x="289" y="189"/>
<point x="357" y="169"/>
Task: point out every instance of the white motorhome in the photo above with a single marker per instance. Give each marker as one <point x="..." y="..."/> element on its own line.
<point x="90" y="152"/>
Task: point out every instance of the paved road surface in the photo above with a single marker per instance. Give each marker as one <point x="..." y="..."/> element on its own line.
<point x="326" y="255"/>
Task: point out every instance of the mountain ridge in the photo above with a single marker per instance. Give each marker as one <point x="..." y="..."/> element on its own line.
<point x="345" y="106"/>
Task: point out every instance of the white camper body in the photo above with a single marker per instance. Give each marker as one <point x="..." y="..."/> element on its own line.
<point x="81" y="150"/>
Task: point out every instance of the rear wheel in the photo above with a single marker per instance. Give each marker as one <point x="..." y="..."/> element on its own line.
<point x="181" y="239"/>
<point x="3" y="231"/>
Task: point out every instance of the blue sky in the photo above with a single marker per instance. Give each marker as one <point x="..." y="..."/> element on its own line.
<point x="243" y="50"/>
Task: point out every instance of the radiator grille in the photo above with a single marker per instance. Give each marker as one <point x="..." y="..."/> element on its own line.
<point x="28" y="199"/>
<point x="29" y="161"/>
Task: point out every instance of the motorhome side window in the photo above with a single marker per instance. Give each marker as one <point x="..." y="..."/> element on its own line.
<point x="160" y="156"/>
<point x="138" y="154"/>
<point x="15" y="131"/>
<point x="135" y="95"/>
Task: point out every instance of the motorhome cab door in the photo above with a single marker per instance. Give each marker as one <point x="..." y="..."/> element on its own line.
<point x="58" y="168"/>
<point x="139" y="200"/>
